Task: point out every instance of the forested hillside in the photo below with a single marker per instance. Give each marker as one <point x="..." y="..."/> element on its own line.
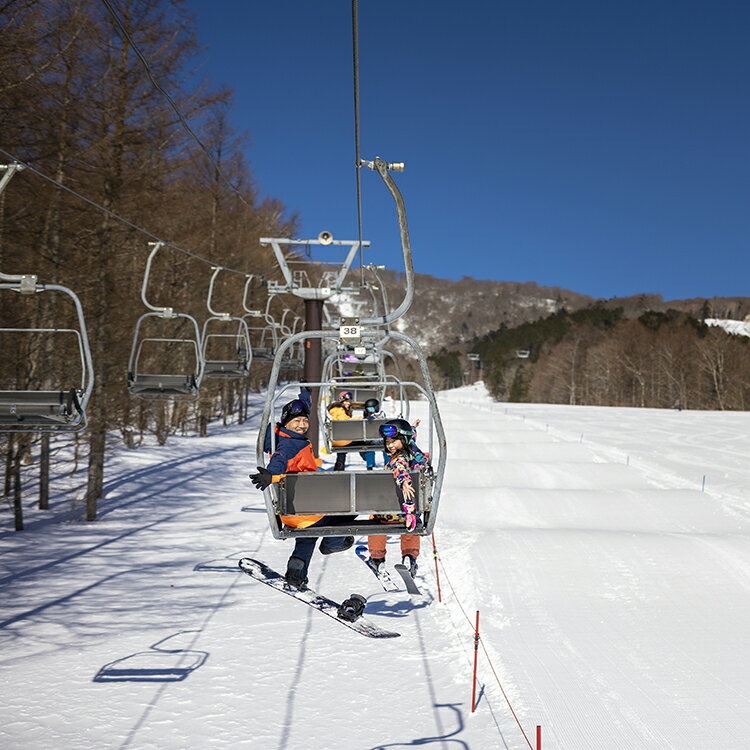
<point x="78" y="105"/>
<point x="598" y="356"/>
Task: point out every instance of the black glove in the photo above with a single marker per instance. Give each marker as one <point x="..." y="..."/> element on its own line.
<point x="305" y="387"/>
<point x="262" y="479"/>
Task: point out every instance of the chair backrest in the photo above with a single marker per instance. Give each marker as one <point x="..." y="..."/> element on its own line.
<point x="343" y="492"/>
<point x="356" y="429"/>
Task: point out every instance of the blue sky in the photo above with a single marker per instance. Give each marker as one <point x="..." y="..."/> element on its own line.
<point x="597" y="146"/>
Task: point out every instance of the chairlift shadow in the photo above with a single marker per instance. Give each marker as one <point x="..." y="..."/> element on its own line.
<point x="226" y="564"/>
<point x="158" y="664"/>
<point x="448" y="738"/>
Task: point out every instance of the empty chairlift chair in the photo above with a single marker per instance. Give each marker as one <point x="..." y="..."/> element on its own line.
<point x="262" y="328"/>
<point x="225" y="355"/>
<point x="57" y="409"/>
<point x="146" y="380"/>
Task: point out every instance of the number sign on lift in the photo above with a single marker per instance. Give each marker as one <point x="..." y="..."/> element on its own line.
<point x="350" y="332"/>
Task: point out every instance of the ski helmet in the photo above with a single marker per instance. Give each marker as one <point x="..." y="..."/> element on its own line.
<point x="296" y="408"/>
<point x="372" y="405"/>
<point x="345" y="396"/>
<point x="397" y="428"/>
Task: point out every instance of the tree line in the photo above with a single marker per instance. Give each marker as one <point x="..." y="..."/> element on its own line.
<point x="599" y="356"/>
<point x="78" y="105"/>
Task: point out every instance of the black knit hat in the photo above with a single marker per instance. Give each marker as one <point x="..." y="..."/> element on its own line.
<point x="292" y="410"/>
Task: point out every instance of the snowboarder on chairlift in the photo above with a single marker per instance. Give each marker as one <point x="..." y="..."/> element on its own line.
<point x="341" y="409"/>
<point x="404" y="457"/>
<point x="294" y="454"/>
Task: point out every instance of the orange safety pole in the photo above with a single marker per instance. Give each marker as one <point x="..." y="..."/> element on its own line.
<point x="437" y="572"/>
<point x="538" y="737"/>
<point x="476" y="653"/>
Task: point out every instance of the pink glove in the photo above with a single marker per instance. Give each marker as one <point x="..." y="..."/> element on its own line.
<point x="411" y="516"/>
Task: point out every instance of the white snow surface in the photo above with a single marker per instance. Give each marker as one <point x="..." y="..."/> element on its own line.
<point x="614" y="596"/>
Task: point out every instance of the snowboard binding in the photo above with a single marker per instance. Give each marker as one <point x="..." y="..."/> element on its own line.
<point x="352" y="608"/>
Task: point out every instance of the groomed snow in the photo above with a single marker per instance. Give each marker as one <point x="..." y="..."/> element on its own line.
<point x="614" y="597"/>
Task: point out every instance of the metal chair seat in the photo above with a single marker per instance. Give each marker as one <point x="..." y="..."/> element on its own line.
<point x="142" y="384"/>
<point x="40" y="408"/>
<point x="225" y="369"/>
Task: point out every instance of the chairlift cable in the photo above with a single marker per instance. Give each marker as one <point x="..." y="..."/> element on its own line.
<point x="357" y="167"/>
<point x="129" y="39"/>
<point x="116" y="216"/>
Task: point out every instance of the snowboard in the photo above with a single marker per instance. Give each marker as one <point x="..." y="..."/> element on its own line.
<point x="261" y="572"/>
<point x="382" y="575"/>
<point x="409" y="582"/>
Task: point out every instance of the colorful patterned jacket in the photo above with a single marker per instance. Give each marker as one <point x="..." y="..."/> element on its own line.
<point x="402" y="466"/>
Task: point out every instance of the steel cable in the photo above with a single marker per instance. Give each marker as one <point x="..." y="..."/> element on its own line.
<point x="357" y="156"/>
<point x="116" y="216"/>
<point x="129" y="39"/>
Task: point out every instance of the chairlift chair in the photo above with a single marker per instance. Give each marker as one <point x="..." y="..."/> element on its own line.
<point x="359" y="493"/>
<point x="57" y="410"/>
<point x="237" y="343"/>
<point x="169" y="385"/>
<point x="262" y="329"/>
<point x="152" y="385"/>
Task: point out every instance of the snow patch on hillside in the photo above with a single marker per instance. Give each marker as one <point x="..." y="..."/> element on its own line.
<point x="737" y="327"/>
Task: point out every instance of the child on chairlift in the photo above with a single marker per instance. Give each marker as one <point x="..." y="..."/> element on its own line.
<point x="403" y="457"/>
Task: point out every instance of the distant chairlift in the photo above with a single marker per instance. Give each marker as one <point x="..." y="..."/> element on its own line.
<point x="58" y="410"/>
<point x="160" y="385"/>
<point x="237" y="343"/>
<point x="261" y="326"/>
<point x="347" y="435"/>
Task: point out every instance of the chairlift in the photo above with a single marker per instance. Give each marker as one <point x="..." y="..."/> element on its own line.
<point x="236" y="343"/>
<point x="56" y="410"/>
<point x="360" y="493"/>
<point x="152" y="385"/>
<point x="262" y="328"/>
<point x="347" y="435"/>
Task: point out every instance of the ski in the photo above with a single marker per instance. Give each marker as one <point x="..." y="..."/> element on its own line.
<point x="382" y="575"/>
<point x="411" y="586"/>
<point x="261" y="572"/>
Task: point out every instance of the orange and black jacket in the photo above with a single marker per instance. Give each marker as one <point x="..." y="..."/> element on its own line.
<point x="293" y="454"/>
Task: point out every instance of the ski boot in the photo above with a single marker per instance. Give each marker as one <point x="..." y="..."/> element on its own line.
<point x="330" y="548"/>
<point x="376" y="563"/>
<point x="295" y="577"/>
<point x="352" y="608"/>
<point x="411" y="564"/>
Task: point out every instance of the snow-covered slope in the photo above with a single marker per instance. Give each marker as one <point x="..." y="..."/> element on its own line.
<point x="614" y="599"/>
